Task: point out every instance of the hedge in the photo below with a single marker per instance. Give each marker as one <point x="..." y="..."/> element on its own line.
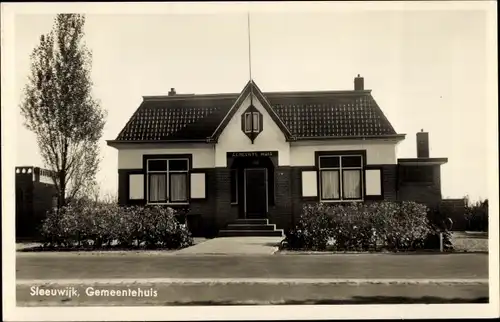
<point x="373" y="226"/>
<point x="103" y="225"/>
<point x="476" y="215"/>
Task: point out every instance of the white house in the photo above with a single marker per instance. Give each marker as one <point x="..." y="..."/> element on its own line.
<point x="257" y="157"/>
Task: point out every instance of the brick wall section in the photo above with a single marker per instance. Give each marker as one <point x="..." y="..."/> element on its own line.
<point x="390" y="181"/>
<point x="33" y="200"/>
<point x="281" y="213"/>
<point x="295" y="182"/>
<point x="24" y="205"/>
<point x="201" y="217"/>
<point x="224" y="211"/>
<point x="298" y="201"/>
<point x="122" y="187"/>
<point x="426" y="193"/>
<point x="437" y="179"/>
<point x="43" y="195"/>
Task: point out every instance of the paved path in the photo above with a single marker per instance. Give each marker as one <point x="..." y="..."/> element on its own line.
<point x="49" y="266"/>
<point x="234" y="245"/>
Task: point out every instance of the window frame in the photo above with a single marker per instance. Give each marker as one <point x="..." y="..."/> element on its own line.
<point x="360" y="170"/>
<point x="321" y="184"/>
<point x="340" y="169"/>
<point x="167" y="172"/>
<point x="248" y="124"/>
<point x="256" y="122"/>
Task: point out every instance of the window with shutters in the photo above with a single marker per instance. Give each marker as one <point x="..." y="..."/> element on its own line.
<point x="167" y="181"/>
<point x="340" y="177"/>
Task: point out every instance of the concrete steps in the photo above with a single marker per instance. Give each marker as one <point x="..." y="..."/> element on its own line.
<point x="251" y="233"/>
<point x="260" y="221"/>
<point x="251" y="227"/>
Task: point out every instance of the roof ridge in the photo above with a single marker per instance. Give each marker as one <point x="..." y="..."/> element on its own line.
<point x="316" y="93"/>
<point x="190" y="96"/>
<point x="235" y="95"/>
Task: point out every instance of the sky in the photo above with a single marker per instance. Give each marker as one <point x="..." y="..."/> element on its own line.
<point x="427" y="69"/>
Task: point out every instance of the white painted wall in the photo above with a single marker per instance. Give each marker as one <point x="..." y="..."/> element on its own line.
<point x="377" y="151"/>
<point x="373" y="182"/>
<point x="136" y="186"/>
<point x="233" y="139"/>
<point x="198" y="185"/>
<point x="309" y="184"/>
<point x="203" y="154"/>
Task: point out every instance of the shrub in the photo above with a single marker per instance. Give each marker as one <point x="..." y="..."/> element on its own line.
<point x="440" y="221"/>
<point x="98" y="225"/>
<point x="476" y="214"/>
<point x="359" y="226"/>
<point x="432" y="241"/>
<point x="453" y="212"/>
<point x="314" y="227"/>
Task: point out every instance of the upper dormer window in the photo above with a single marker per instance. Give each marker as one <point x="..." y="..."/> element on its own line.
<point x="252" y="122"/>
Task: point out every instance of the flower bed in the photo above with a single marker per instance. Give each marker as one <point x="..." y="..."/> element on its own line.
<point x="389" y="226"/>
<point x="90" y="225"/>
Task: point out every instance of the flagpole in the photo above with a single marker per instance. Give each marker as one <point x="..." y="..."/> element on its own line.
<point x="249" y="47"/>
<point x="250" y="74"/>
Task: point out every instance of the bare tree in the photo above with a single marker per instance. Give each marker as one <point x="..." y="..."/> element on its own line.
<point x="110" y="198"/>
<point x="59" y="108"/>
<point x="94" y="192"/>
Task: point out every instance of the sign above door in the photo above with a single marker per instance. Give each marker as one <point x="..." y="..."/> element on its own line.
<point x="252" y="154"/>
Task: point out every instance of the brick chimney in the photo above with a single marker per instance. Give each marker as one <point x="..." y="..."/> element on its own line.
<point x="172" y="92"/>
<point x="359" y="83"/>
<point x="422" y="144"/>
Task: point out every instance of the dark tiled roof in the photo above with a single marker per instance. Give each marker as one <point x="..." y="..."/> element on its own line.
<point x="188" y="118"/>
<point x="331" y="115"/>
<point x="305" y="115"/>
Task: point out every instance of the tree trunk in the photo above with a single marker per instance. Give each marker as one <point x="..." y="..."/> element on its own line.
<point x="62" y="190"/>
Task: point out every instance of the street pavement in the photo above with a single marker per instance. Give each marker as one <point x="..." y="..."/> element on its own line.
<point x="52" y="266"/>
<point x="195" y="279"/>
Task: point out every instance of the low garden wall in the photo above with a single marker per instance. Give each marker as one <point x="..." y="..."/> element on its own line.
<point x="390" y="226"/>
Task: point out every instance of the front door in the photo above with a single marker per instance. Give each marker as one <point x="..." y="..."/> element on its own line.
<point x="256" y="193"/>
